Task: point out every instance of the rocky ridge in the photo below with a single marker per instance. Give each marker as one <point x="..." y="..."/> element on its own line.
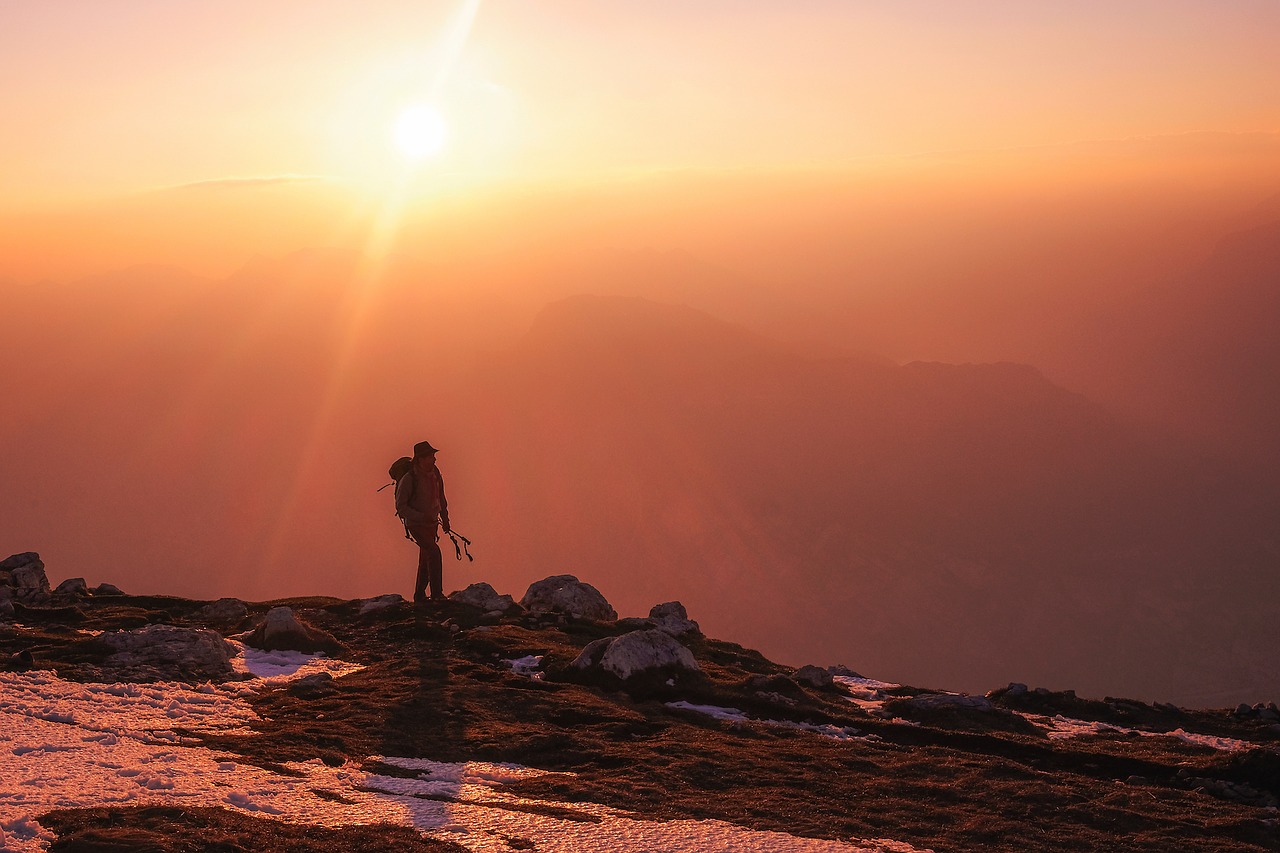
<point x="650" y="715"/>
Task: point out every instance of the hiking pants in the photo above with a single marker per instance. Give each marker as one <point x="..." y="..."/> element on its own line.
<point x="430" y="563"/>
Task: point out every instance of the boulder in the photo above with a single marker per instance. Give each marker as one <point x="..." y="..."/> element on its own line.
<point x="567" y="595"/>
<point x="167" y="652"/>
<point x="107" y="589"/>
<point x="382" y="602"/>
<point x="484" y="597"/>
<point x="281" y="630"/>
<point x="8" y="564"/>
<point x="635" y="653"/>
<point x="19" y="662"/>
<point x="814" y="676"/>
<point x="224" y="610"/>
<point x="672" y="618"/>
<point x="73" y="586"/>
<point x="29" y="582"/>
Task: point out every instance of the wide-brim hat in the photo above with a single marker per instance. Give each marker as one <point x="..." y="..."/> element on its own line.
<point x="422" y="448"/>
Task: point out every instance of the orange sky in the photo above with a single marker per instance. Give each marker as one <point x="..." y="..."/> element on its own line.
<point x="127" y="96"/>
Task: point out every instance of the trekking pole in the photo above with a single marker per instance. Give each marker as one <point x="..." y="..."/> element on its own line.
<point x="454" y="537"/>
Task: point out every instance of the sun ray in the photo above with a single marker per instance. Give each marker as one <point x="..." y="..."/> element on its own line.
<point x="365" y="288"/>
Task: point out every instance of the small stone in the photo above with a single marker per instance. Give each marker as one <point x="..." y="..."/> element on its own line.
<point x="224" y="610"/>
<point x="674" y="619"/>
<point x="382" y="602"/>
<point x="484" y="597"/>
<point x="814" y="676"/>
<point x="73" y="586"/>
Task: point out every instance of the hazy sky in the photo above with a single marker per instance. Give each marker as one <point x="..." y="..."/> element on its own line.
<point x="133" y="94"/>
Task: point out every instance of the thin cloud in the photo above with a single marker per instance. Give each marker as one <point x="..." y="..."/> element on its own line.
<point x="243" y="183"/>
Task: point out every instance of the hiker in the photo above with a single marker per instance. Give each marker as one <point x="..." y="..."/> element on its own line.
<point x="421" y="504"/>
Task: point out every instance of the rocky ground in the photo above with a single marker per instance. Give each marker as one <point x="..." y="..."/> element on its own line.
<point x="651" y="717"/>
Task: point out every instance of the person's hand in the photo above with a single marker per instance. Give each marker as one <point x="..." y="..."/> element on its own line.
<point x="444" y="524"/>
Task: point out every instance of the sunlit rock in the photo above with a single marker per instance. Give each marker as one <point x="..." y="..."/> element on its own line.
<point x="634" y="653"/>
<point x="281" y="629"/>
<point x="167" y="652"/>
<point x="567" y="595"/>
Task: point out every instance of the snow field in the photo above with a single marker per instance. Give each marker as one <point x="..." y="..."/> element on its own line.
<point x="70" y="745"/>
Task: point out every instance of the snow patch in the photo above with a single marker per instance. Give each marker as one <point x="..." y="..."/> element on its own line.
<point x="733" y="715"/>
<point x="70" y="745"/>
<point x="527" y="665"/>
<point x="286" y="665"/>
<point x="1061" y="728"/>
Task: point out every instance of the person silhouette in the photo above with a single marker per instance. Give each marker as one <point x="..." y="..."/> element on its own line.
<point x="421" y="504"/>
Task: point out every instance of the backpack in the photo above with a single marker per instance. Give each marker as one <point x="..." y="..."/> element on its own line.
<point x="398" y="469"/>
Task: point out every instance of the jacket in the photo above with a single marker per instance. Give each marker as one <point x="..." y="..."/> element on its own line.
<point x="420" y="501"/>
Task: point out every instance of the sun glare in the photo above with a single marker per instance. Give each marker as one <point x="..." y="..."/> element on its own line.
<point x="420" y="132"/>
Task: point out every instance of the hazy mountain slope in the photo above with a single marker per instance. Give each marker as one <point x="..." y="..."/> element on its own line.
<point x="911" y="514"/>
<point x="230" y="437"/>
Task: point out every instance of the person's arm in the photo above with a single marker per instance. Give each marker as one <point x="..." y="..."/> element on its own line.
<point x="444" y="504"/>
<point x="404" y="491"/>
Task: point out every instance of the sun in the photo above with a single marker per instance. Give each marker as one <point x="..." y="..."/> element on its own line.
<point x="420" y="132"/>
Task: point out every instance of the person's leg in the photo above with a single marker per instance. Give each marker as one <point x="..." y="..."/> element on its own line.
<point x="426" y="539"/>
<point x="424" y="571"/>
<point x="437" y="570"/>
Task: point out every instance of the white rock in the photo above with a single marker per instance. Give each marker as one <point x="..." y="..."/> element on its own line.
<point x="568" y="595"/>
<point x="169" y="650"/>
<point x="636" y="652"/>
